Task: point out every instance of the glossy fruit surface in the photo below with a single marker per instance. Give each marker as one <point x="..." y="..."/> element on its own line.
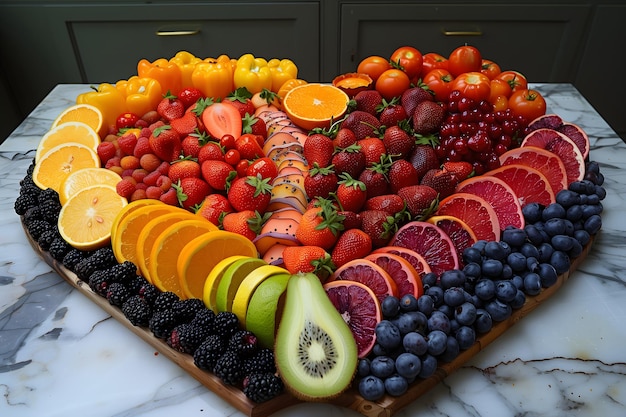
<point x="76" y="132"/>
<point x="315" y="105"/>
<point x="562" y="146"/>
<point x="61" y="161"/>
<point x="368" y="273"/>
<point x="530" y="185"/>
<point x="546" y="162"/>
<point x="85" y="177"/>
<point x="473" y="211"/>
<point x="406" y="277"/>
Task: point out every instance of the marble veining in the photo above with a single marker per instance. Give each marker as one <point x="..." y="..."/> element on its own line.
<point x="61" y="355"/>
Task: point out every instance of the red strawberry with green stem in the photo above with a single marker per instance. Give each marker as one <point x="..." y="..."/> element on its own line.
<point x="308" y="258"/>
<point x="320" y="225"/>
<point x="367" y="101"/>
<point x="442" y="181"/>
<point x="318" y="149"/>
<point x="247" y="223"/>
<point x="379" y="226"/>
<point x="240" y="98"/>
<point x="191" y="191"/>
<point x="363" y="124"/>
<point x="352" y="244"/>
<point x="390" y="113"/>
<point x="214" y="207"/>
<point x="217" y="173"/>
<point x="170" y="107"/>
<point x="421" y="200"/>
<point x="389" y="203"/>
<point x="183" y="168"/>
<point x="189" y="96"/>
<point x="185" y="125"/>
<point x="412" y="97"/>
<point x="401" y="174"/>
<point x="250" y="193"/>
<point x="351" y="193"/>
<point x="193" y="142"/>
<point x="321" y="181"/>
<point x="375" y="178"/>
<point x="461" y="169"/>
<point x="398" y="142"/>
<point x="165" y="143"/>
<point x="349" y="160"/>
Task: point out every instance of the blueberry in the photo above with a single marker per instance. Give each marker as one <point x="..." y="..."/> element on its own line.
<point x="547" y="274"/>
<point x="408" y="302"/>
<point x="531" y="264"/>
<point x="574" y="213"/>
<point x="439" y="321"/>
<point x="472" y="254"/>
<point x="545" y="252"/>
<point x="567" y="198"/>
<point x="591" y="210"/>
<point x="485" y="289"/>
<point x="411" y="321"/>
<point x="562" y="242"/>
<point x="593" y="199"/>
<point x="425" y="304"/>
<point x="429" y="366"/>
<point x="498" y="310"/>
<point x="517" y="261"/>
<point x="505" y="291"/>
<point x="446" y="309"/>
<point x="576" y="249"/>
<point x="429" y="279"/>
<point x="452" y="350"/>
<point x="600" y="192"/>
<point x="371" y="388"/>
<point x="363" y="367"/>
<point x="465" y="314"/>
<point x="480" y="245"/>
<point x="454" y="296"/>
<point x="492" y="268"/>
<point x="529" y="250"/>
<point x="532" y="212"/>
<point x="437" y="342"/>
<point x="382" y="366"/>
<point x="472" y="270"/>
<point x="483" y="322"/>
<point x="535" y="236"/>
<point x="553" y="211"/>
<point x="388" y="335"/>
<point x="466" y="336"/>
<point x="436" y="293"/>
<point x="514" y="236"/>
<point x="519" y="300"/>
<point x="390" y="307"/>
<point x="518" y="281"/>
<point x="415" y="343"/>
<point x="396" y="385"/>
<point x="560" y="261"/>
<point x="593" y="167"/>
<point x="582" y="236"/>
<point x="555" y="226"/>
<point x="408" y="365"/>
<point x="452" y="278"/>
<point x="532" y="284"/>
<point x="497" y="250"/>
<point x="593" y="224"/>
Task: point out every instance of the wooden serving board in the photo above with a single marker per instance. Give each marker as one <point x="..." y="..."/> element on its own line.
<point x="386" y="407"/>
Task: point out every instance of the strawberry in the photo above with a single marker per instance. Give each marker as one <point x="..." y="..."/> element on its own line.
<point x="427" y="117"/>
<point x="185" y="124"/>
<point x="373" y="149"/>
<point x="398" y="142"/>
<point x="379" y="226"/>
<point x="221" y="119"/>
<point x="363" y="124"/>
<point x="248" y="146"/>
<point x="106" y="151"/>
<point x="351" y="194"/>
<point x="217" y="173"/>
<point x="391" y="113"/>
<point x="320" y="182"/>
<point x="127" y="143"/>
<point x="193" y="142"/>
<point x="351" y="220"/>
<point x="189" y="96"/>
<point x="240" y="98"/>
<point x="349" y="160"/>
<point x="170" y="107"/>
<point x="320" y="225"/>
<point x="423" y="158"/>
<point x="191" y="191"/>
<point x="389" y="203"/>
<point x="165" y="143"/>
<point x="368" y="100"/>
<point x="352" y="244"/>
<point x="214" y="207"/>
<point x="247" y="223"/>
<point x="401" y="174"/>
<point x="183" y="168"/>
<point x="308" y="258"/>
<point x="444" y="182"/>
<point x="412" y="97"/>
<point x="210" y="151"/>
<point x="170" y="197"/>
<point x="318" y="149"/>
<point x="420" y="200"/>
<point x="375" y="179"/>
<point x="461" y="169"/>
<point x="250" y="193"/>
<point x="344" y="138"/>
<point x="254" y="125"/>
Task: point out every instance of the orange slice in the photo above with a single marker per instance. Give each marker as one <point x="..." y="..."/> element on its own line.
<point x="85" y="113"/>
<point x="84" y="178"/>
<point x="315" y="105"/>
<point x="167" y="247"/>
<point x="200" y="255"/>
<point x="86" y="218"/>
<point x="129" y="208"/>
<point x="61" y="161"/>
<point x="77" y="132"/>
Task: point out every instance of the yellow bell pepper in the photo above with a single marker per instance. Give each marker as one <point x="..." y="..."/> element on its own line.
<point x="142" y="94"/>
<point x="109" y="100"/>
<point x="168" y="74"/>
<point x="186" y="61"/>
<point x="214" y="77"/>
<point x="282" y="70"/>
<point x="253" y="73"/>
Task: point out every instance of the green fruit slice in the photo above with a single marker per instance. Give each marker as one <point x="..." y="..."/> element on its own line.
<point x="233" y="276"/>
<point x="263" y="308"/>
<point x="214" y="278"/>
<point x="315" y="352"/>
<point x="248" y="287"/>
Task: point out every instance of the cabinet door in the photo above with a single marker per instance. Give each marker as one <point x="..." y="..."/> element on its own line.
<point x="538" y="40"/>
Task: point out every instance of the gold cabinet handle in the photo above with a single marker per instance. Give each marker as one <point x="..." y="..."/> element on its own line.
<point x="177" y="32"/>
<point x="477" y="32"/>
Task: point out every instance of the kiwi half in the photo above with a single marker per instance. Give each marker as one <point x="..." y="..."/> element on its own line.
<point x="316" y="354"/>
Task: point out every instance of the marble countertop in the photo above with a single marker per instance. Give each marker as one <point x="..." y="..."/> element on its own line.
<point x="61" y="355"/>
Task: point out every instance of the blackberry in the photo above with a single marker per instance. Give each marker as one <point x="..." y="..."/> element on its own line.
<point x="24" y="202"/>
<point x="162" y="323"/>
<point x="225" y="324"/>
<point x="137" y="311"/>
<point x="261" y="387"/>
<point x="102" y="258"/>
<point x="59" y="248"/>
<point x="124" y="272"/>
<point x="165" y="301"/>
<point x="50" y="210"/>
<point x="72" y="258"/>
<point x="204" y="317"/>
<point x="187" y="337"/>
<point x="244" y="343"/>
<point x="207" y="354"/>
<point x="187" y="309"/>
<point x="47" y="237"/>
<point x="37" y="227"/>
<point x="99" y="282"/>
<point x="146" y="290"/>
<point x="117" y="294"/>
<point x="48" y="194"/>
<point x="33" y="213"/>
<point x="262" y="361"/>
<point x="229" y="368"/>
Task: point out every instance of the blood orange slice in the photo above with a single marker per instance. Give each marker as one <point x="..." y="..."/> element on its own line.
<point x="415" y="259"/>
<point x="530" y="185"/>
<point x="551" y="120"/>
<point x="577" y="135"/>
<point x="407" y="279"/>
<point x="360" y="309"/>
<point x="559" y="144"/>
<point x="429" y="241"/>
<point x="499" y="195"/>
<point x="461" y="234"/>
<point x="542" y="160"/>
<point x="368" y="273"/>
<point x="474" y="211"/>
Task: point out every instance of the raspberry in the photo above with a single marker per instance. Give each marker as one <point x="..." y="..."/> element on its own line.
<point x="127" y="143"/>
<point x="106" y="151"/>
<point x="125" y="188"/>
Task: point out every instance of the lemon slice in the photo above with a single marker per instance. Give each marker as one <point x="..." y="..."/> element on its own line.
<point x="84" y="178"/>
<point x="76" y="132"/>
<point x="61" y="161"/>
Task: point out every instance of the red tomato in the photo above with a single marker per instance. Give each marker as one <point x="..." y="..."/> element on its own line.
<point x="409" y="60"/>
<point x="439" y="81"/>
<point x="500" y="103"/>
<point x="464" y="59"/>
<point x="232" y="157"/>
<point x="126" y="120"/>
<point x="432" y="60"/>
<point x="392" y="83"/>
<point x="373" y="66"/>
<point x="516" y="80"/>
<point x="499" y="88"/>
<point x="227" y="142"/>
<point x="528" y="104"/>
<point x="242" y="168"/>
<point x="490" y="68"/>
<point x="474" y="85"/>
<point x="264" y="166"/>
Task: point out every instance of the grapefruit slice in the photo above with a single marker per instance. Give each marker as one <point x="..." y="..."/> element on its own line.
<point x="530" y="185"/>
<point x="359" y="307"/>
<point x="559" y="144"/>
<point x="499" y="195"/>
<point x="368" y="273"/>
<point x="542" y="160"/>
<point x="429" y="241"/>
<point x="577" y="135"/>
<point x="551" y="121"/>
<point x="407" y="279"/>
<point x="474" y="211"/>
<point x="415" y="259"/>
<point x="461" y="234"/>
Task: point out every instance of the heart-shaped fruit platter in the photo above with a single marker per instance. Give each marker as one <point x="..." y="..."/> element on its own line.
<point x="351" y="242"/>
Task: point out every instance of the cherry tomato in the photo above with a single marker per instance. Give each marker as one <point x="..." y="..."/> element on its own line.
<point x="516" y="80"/>
<point x="232" y="157"/>
<point x="500" y="103"/>
<point x="373" y="66"/>
<point x="529" y="104"/>
<point x="264" y="166"/>
<point x="499" y="88"/>
<point x="464" y="59"/>
<point x="490" y="68"/>
<point x="409" y="60"/>
<point x="392" y="83"/>
<point x="227" y="142"/>
<point x="439" y="81"/>
<point x="474" y="85"/>
<point x="126" y="120"/>
<point x="432" y="60"/>
<point x="242" y="168"/>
